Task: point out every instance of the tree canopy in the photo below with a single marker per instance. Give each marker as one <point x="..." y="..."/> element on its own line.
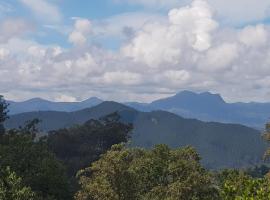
<point x="34" y="168"/>
<point x="12" y="188"/>
<point x="31" y="160"/>
<point x="124" y="173"/>
<point x="3" y="113"/>
<point x="79" y="146"/>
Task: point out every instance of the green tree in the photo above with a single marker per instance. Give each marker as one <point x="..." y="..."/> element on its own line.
<point x="138" y="174"/>
<point x="12" y="188"/>
<point x="237" y="185"/>
<point x="3" y="114"/>
<point x="266" y="135"/>
<point x="30" y="159"/>
<point x="81" y="145"/>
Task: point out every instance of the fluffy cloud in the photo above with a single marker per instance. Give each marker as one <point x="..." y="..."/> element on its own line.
<point x="44" y="10"/>
<point x="82" y="29"/>
<point x="65" y="98"/>
<point x="254" y="36"/>
<point x="241" y="11"/>
<point x="231" y="11"/>
<point x="13" y="27"/>
<point x="188" y="27"/>
<point x="220" y="57"/>
<point x="187" y="50"/>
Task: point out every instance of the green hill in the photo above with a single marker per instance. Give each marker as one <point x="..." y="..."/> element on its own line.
<point x="220" y="145"/>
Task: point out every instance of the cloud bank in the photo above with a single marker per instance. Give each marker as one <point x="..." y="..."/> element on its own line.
<point x="189" y="49"/>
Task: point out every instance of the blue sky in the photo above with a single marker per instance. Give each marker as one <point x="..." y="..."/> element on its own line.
<point x="127" y="50"/>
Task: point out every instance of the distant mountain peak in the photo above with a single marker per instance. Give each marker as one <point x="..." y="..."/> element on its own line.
<point x="36" y="100"/>
<point x="93" y="99"/>
<point x="204" y="95"/>
<point x="213" y="95"/>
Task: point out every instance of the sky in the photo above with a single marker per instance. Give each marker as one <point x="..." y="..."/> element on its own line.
<point x="134" y="50"/>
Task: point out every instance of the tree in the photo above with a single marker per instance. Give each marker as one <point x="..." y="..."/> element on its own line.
<point x="136" y="174"/>
<point x="79" y="146"/>
<point x="266" y="136"/>
<point x="12" y="188"/>
<point x="3" y="114"/>
<point x="237" y="185"/>
<point x="30" y="159"/>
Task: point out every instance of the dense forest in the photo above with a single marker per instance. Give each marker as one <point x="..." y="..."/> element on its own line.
<point x="94" y="161"/>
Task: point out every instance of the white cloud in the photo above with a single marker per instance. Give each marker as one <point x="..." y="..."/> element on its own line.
<point x="230" y="11"/>
<point x="65" y="98"/>
<point x="220" y="57"/>
<point x="254" y="36"/>
<point x="82" y="29"/>
<point x="187" y="27"/>
<point x="13" y="27"/>
<point x="122" y="78"/>
<point x="241" y="11"/>
<point x="188" y="49"/>
<point x="176" y="77"/>
<point x="44" y="10"/>
<point x="123" y="25"/>
<point x="4" y="53"/>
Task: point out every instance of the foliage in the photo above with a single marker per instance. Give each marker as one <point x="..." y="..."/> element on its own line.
<point x="30" y="159"/>
<point x="11" y="187"/>
<point x="155" y="174"/>
<point x="258" y="171"/>
<point x="3" y="113"/>
<point x="79" y="146"/>
<point x="237" y="185"/>
<point x="266" y="136"/>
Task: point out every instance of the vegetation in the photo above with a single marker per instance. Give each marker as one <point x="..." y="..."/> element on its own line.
<point x="220" y="145"/>
<point x="30" y="159"/>
<point x="3" y="114"/>
<point x="79" y="146"/>
<point x="44" y="168"/>
<point x="11" y="187"/>
<point x="160" y="173"/>
<point x="237" y="185"/>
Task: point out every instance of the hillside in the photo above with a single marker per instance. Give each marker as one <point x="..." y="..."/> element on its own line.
<point x="203" y="106"/>
<point x="220" y="145"/>
<point x="38" y="104"/>
<point x="210" y="107"/>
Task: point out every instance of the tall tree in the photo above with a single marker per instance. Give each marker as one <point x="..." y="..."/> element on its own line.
<point x="136" y="174"/>
<point x="266" y="136"/>
<point x="3" y="113"/>
<point x="237" y="185"/>
<point x="12" y="188"/>
<point x="79" y="146"/>
<point x="30" y="159"/>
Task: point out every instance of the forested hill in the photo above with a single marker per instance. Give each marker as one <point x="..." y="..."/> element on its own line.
<point x="220" y="145"/>
<point x="207" y="106"/>
<point x="204" y="106"/>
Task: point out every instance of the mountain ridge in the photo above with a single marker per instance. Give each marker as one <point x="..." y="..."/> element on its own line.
<point x="220" y="145"/>
<point x="204" y="106"/>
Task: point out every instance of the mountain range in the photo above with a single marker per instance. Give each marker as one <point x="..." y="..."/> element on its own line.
<point x="220" y="145"/>
<point x="211" y="107"/>
<point x="38" y="104"/>
<point x="203" y="106"/>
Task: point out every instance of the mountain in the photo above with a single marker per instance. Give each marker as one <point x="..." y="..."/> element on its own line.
<point x="203" y="106"/>
<point x="220" y="145"/>
<point x="210" y="107"/>
<point x="38" y="104"/>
